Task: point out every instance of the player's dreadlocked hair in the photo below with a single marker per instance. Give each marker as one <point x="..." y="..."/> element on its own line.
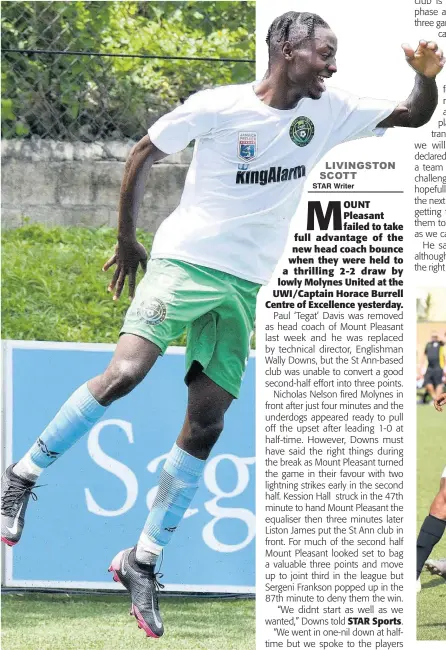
<point x="293" y="26"/>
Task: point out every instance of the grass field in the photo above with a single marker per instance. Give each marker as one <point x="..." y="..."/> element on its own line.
<point x="54" y="288"/>
<point x="60" y="622"/>
<point x="53" y="285"/>
<point x="431" y="601"/>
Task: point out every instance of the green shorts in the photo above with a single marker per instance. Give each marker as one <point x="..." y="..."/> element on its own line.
<point x="217" y="310"/>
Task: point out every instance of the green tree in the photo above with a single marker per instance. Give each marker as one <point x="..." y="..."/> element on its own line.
<point x="91" y="97"/>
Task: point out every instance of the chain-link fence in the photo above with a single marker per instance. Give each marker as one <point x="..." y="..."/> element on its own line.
<point x="107" y="70"/>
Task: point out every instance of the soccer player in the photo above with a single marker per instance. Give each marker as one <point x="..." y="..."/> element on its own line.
<point x="254" y="146"/>
<point x="433" y="526"/>
<point x="433" y="377"/>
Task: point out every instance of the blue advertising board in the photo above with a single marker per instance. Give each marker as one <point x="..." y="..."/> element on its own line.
<point x="96" y="498"/>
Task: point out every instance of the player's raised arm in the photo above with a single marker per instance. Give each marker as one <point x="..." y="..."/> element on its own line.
<point x="427" y="61"/>
<point x="129" y="253"/>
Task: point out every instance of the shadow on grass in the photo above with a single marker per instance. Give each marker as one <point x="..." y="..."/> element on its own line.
<point x="433" y="583"/>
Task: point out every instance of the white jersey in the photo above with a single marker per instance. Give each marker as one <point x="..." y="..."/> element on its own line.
<point x="248" y="170"/>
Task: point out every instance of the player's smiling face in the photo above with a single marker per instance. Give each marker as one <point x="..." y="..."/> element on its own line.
<point x="312" y="62"/>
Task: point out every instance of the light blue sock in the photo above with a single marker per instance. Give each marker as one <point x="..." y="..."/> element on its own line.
<point x="76" y="417"/>
<point x="178" y="483"/>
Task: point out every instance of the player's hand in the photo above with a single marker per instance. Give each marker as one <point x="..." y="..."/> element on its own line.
<point x="127" y="257"/>
<point x="440" y="402"/>
<point x="427" y="59"/>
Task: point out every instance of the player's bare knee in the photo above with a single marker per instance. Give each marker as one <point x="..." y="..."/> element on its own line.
<point x="438" y="507"/>
<point x="201" y="435"/>
<point x="119" y="379"/>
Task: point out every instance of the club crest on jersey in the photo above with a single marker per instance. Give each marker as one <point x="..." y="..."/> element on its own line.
<point x="302" y="131"/>
<point x="247" y="145"/>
